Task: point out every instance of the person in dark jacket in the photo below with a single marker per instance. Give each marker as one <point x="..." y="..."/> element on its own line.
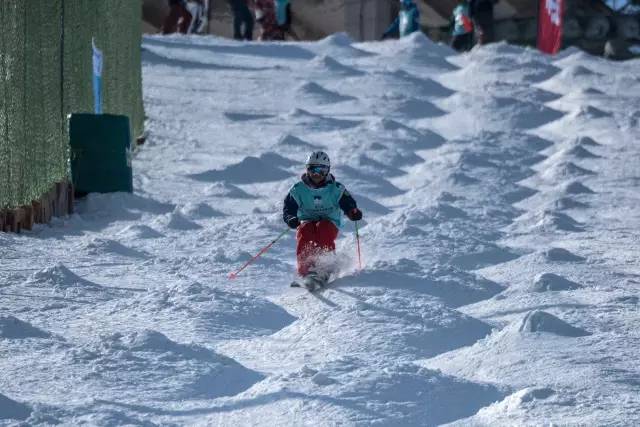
<point x="242" y="20"/>
<point x="179" y="18"/>
<point x="314" y="207"/>
<point x="481" y="11"/>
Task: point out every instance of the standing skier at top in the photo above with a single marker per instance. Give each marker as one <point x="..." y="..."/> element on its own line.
<point x="313" y="207"/>
<point x="462" y="34"/>
<point x="407" y="22"/>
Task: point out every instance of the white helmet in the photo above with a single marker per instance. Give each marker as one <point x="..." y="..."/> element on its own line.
<point x="318" y="158"/>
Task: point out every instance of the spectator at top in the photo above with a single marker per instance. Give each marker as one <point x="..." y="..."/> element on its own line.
<point x="266" y="17"/>
<point x="186" y="17"/>
<point x="407" y="22"/>
<point x="199" y="10"/>
<point x="283" y="13"/>
<point x="283" y="16"/>
<point x="178" y="19"/>
<point x="481" y="11"/>
<point x="462" y="34"/>
<point x="242" y="19"/>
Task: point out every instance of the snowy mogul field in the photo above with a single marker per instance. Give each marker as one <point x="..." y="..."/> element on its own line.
<point x="500" y="247"/>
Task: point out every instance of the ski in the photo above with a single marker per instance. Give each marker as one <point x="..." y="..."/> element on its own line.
<point x="312" y="282"/>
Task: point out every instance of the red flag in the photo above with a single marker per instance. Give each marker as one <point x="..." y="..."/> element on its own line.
<point x="550" y="25"/>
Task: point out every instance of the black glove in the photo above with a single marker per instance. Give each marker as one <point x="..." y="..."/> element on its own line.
<point x="293" y="222"/>
<point x="355" y="214"/>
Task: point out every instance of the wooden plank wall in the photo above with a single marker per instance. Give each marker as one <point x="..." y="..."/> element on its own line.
<point x="58" y="201"/>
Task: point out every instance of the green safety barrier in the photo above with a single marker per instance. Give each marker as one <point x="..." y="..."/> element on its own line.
<point x="46" y="73"/>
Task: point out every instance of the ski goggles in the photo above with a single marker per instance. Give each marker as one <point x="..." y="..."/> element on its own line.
<point x="318" y="169"/>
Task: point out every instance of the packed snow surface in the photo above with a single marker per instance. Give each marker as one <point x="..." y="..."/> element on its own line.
<point x="500" y="242"/>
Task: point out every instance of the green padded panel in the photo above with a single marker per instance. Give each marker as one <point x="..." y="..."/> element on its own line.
<point x="100" y="153"/>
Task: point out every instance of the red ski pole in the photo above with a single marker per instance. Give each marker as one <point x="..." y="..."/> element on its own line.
<point x="233" y="275"/>
<point x="358" y="246"/>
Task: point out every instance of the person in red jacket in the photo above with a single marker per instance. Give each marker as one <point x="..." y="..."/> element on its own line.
<point x="266" y="17"/>
<point x="179" y="18"/>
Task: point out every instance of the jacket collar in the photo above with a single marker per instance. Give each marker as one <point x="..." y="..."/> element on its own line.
<point x="307" y="181"/>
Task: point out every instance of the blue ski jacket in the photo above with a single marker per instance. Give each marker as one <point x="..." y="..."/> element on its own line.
<point x="461" y="20"/>
<point x="309" y="202"/>
<point x="407" y="22"/>
<point x="281" y="11"/>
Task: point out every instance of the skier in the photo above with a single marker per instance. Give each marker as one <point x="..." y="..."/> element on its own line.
<point x="199" y="11"/>
<point x="283" y="16"/>
<point x="313" y="207"/>
<point x="462" y="35"/>
<point x="242" y="19"/>
<point x="481" y="11"/>
<point x="186" y="17"/>
<point x="283" y="13"/>
<point x="179" y="18"/>
<point x="266" y="17"/>
<point x="407" y="21"/>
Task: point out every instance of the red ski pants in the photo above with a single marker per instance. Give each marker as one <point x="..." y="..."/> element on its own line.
<point x="314" y="239"/>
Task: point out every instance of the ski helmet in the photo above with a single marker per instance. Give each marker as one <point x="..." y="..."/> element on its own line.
<point x="318" y="158"/>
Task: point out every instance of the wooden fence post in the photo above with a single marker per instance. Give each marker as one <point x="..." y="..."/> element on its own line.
<point x="58" y="201"/>
<point x="70" y="197"/>
<point x="27" y="217"/>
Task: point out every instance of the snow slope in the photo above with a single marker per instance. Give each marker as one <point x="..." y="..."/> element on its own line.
<point x="500" y="243"/>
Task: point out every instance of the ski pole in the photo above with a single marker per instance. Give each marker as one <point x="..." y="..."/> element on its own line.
<point x="358" y="245"/>
<point x="233" y="275"/>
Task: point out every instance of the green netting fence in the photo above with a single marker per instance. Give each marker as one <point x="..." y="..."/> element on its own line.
<point x="46" y="73"/>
